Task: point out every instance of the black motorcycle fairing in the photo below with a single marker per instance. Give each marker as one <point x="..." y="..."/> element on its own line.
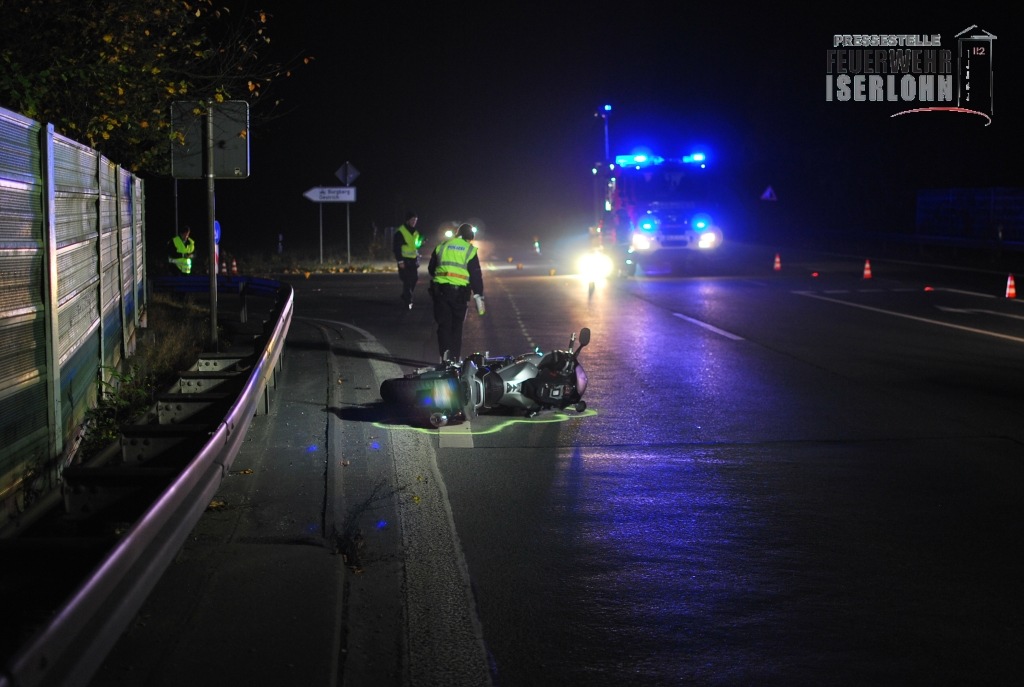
<point x="557" y="361"/>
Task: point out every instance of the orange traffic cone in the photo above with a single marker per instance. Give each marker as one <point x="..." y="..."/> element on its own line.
<point x="778" y="263"/>
<point x="234" y="267"/>
<point x="867" y="269"/>
<point x="223" y="266"/>
<point x="1011" y="289"/>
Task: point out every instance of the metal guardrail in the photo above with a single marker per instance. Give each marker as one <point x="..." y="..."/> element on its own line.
<point x="72" y="646"/>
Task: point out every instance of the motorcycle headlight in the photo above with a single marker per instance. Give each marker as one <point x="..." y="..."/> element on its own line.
<point x="581" y="380"/>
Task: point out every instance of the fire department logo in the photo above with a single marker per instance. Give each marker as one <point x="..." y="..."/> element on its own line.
<point x="915" y="70"/>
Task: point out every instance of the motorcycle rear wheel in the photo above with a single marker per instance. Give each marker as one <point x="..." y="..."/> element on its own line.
<point x="434" y="395"/>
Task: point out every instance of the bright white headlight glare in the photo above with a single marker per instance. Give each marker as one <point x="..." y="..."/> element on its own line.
<point x="595" y="265"/>
<point x="709" y="239"/>
<point x="641" y="241"/>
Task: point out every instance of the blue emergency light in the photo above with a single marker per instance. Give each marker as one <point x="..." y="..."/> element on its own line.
<point x="640" y="160"/>
<point x="700" y="222"/>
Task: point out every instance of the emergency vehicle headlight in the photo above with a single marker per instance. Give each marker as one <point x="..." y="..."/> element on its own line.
<point x="709" y="239"/>
<point x="641" y="241"/>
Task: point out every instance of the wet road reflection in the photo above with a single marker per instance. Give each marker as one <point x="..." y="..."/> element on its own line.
<point x="769" y="564"/>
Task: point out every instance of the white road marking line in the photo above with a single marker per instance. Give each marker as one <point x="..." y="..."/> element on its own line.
<point x="710" y="328"/>
<point x="979" y="311"/>
<point x="916" y="318"/>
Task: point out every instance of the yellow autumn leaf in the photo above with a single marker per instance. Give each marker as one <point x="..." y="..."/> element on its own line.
<point x="108" y="38"/>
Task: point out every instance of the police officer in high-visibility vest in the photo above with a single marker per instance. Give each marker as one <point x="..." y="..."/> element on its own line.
<point x="406" y="247"/>
<point x="455" y="275"/>
<point x="180" y="250"/>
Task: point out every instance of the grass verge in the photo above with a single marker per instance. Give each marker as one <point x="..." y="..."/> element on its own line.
<point x="177" y="333"/>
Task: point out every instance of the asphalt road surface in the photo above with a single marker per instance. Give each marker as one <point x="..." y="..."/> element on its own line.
<point x="799" y="476"/>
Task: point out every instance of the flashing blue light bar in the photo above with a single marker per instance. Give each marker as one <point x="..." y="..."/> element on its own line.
<point x="645" y="160"/>
<point x="638" y="160"/>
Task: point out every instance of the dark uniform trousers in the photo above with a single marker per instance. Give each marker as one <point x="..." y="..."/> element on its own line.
<point x="409" y="274"/>
<point x="450" y="305"/>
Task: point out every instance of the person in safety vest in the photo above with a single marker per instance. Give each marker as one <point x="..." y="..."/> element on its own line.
<point x="407" y="252"/>
<point x="180" y="250"/>
<point x="455" y="274"/>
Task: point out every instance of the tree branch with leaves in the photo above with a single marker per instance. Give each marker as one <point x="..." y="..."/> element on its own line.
<point x="105" y="72"/>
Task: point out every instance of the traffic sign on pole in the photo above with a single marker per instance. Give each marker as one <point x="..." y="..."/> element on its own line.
<point x="331" y="194"/>
<point x="347" y="173"/>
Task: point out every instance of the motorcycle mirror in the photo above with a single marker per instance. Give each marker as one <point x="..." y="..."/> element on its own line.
<point x="584" y="336"/>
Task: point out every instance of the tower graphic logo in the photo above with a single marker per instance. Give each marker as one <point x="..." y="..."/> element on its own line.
<point x="915" y="70"/>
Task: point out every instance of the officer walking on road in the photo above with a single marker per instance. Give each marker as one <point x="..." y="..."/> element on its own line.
<point x="407" y="252"/>
<point x="455" y="275"/>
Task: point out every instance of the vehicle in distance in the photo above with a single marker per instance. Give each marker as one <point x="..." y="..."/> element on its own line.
<point x="657" y="211"/>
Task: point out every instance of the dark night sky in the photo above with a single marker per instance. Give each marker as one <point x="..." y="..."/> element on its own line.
<point x="486" y="112"/>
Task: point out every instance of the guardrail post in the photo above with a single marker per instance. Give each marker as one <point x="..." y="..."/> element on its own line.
<point x="242" y="289"/>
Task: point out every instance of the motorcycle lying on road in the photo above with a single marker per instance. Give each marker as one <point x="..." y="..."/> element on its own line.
<point x="460" y="390"/>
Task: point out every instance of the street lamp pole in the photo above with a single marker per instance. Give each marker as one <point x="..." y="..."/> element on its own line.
<point x="604" y="113"/>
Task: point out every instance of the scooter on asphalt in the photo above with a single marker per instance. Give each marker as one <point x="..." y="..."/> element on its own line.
<point x="458" y="390"/>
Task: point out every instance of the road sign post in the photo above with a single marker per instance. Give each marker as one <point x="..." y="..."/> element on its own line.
<point x="330" y="194"/>
<point x="348" y="174"/>
<point x="221" y="153"/>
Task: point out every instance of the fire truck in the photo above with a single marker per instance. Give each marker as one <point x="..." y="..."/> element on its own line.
<point x="656" y="211"/>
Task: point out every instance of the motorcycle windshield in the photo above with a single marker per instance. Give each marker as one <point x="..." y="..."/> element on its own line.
<point x="581" y="380"/>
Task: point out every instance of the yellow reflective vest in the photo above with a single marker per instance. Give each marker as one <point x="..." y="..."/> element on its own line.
<point x="184" y="249"/>
<point x="412" y="241"/>
<point x="453" y="256"/>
